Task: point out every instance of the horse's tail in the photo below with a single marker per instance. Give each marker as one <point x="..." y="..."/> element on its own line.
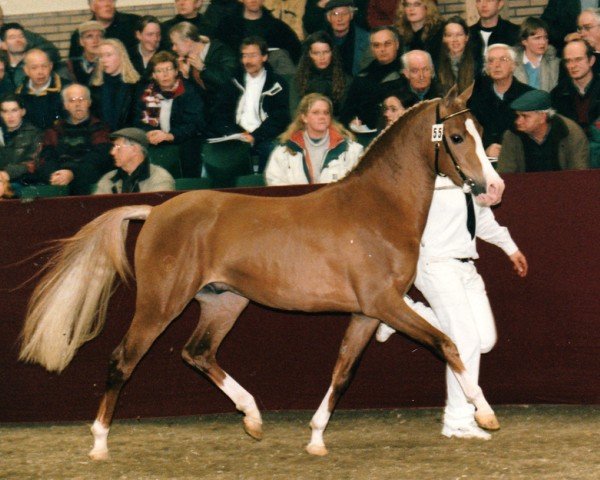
<point x="68" y="306"/>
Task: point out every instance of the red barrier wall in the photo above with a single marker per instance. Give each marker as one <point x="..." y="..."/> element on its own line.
<point x="547" y="352"/>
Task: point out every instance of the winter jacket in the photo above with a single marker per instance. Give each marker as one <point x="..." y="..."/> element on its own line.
<point x="549" y="69"/>
<point x="19" y="154"/>
<point x="289" y="164"/>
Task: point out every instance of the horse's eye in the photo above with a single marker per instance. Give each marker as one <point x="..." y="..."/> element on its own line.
<point x="456" y="138"/>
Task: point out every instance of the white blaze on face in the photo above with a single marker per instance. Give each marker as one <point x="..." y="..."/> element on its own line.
<point x="494" y="184"/>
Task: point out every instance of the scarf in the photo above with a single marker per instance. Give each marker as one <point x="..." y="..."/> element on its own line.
<point x="153" y="97"/>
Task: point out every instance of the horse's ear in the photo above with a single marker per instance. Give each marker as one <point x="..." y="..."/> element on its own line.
<point x="450" y="96"/>
<point x="464" y="96"/>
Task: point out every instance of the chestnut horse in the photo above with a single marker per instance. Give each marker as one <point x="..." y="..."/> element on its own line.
<point x="351" y="246"/>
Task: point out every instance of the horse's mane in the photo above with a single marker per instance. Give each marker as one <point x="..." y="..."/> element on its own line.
<point x="368" y="158"/>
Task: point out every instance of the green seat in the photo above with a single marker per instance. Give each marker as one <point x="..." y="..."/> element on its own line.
<point x="35" y="191"/>
<point x="168" y="157"/>
<point x="195" y="183"/>
<point x="254" y="180"/>
<point x="225" y="161"/>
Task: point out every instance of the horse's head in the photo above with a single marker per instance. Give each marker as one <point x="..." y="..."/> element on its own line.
<point x="460" y="154"/>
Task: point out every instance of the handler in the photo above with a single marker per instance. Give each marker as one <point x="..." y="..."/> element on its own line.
<point x="447" y="277"/>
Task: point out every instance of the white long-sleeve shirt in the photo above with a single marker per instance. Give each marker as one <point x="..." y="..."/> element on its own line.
<point x="446" y="234"/>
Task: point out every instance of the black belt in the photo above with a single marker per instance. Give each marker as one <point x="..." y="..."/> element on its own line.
<point x="464" y="260"/>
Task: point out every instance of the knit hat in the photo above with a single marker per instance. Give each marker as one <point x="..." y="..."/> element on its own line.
<point x="531" y="101"/>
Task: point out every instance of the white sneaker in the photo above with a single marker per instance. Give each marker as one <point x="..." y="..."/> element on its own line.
<point x="467" y="431"/>
<point x="384" y="332"/>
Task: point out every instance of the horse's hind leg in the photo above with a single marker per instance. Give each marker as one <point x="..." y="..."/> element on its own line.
<point x="143" y="331"/>
<point x="357" y="335"/>
<point x="218" y="313"/>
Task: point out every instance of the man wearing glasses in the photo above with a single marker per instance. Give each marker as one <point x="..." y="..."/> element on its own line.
<point x="493" y="94"/>
<point x="561" y="16"/>
<point x="351" y="40"/>
<point x="588" y="26"/>
<point x="75" y="149"/>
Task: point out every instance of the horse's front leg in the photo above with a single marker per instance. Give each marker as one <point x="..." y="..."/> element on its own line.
<point x="357" y="335"/>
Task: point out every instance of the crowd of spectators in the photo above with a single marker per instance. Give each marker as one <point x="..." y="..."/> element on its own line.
<point x="305" y="84"/>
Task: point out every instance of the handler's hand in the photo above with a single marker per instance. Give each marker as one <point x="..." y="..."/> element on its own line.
<point x="519" y="263"/>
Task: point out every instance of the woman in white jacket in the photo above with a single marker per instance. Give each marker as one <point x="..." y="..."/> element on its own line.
<point x="315" y="148"/>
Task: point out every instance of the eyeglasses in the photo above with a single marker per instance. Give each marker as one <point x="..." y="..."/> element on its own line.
<point x="412" y="4"/>
<point x="569" y="61"/>
<point x="494" y="60"/>
<point x="586" y="28"/>
<point x="77" y="99"/>
<point x="164" y="70"/>
<point x="417" y="71"/>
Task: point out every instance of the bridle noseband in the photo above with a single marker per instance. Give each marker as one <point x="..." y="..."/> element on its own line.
<point x="437" y="136"/>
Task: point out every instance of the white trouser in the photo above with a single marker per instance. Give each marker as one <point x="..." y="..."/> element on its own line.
<point x="457" y="295"/>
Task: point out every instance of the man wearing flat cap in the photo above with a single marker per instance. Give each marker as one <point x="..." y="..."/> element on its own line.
<point x="543" y="140"/>
<point x="134" y="171"/>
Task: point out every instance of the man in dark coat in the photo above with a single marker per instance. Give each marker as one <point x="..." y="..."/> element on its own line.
<point x="252" y="19"/>
<point x="492" y="28"/>
<point x="76" y="149"/>
<point x="492" y="95"/>
<point x="561" y="17"/>
<point x="116" y="25"/>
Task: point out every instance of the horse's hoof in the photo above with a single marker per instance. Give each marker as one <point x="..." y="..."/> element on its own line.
<point x="487" y="421"/>
<point x="319" y="450"/>
<point x="99" y="455"/>
<point x="253" y="428"/>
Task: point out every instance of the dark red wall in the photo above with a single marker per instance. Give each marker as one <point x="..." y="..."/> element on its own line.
<point x="548" y="323"/>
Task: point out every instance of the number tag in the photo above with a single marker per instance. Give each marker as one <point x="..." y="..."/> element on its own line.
<point x="437" y="132"/>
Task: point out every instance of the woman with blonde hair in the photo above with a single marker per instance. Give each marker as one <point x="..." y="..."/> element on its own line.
<point x="113" y="85"/>
<point x="420" y="25"/>
<point x="315" y="148"/>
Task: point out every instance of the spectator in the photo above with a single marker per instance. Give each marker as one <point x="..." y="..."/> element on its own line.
<point x="15" y="43"/>
<point x="418" y="69"/>
<point x="351" y="40"/>
<point x="20" y="144"/>
<point x="187" y="11"/>
<point x="372" y="84"/>
<point x="149" y="37"/>
<point x="134" y="171"/>
<point x="217" y="10"/>
<point x="314" y="15"/>
<point x="314" y="148"/>
<point x="394" y="106"/>
<point x="41" y="89"/>
<point x="81" y="68"/>
<point x="381" y="12"/>
<point x="537" y="65"/>
<point x="289" y="12"/>
<point x="493" y="94"/>
<point x="457" y="63"/>
<point x="113" y="85"/>
<point x="208" y="63"/>
<point x="491" y="27"/>
<point x="170" y="110"/>
<point x="256" y="103"/>
<point x="76" y="149"/>
<point x="561" y="17"/>
<point x="578" y="98"/>
<point x="588" y="26"/>
<point x="320" y="71"/>
<point x="116" y="25"/>
<point x="251" y="18"/>
<point x="6" y="85"/>
<point x="420" y="25"/>
<point x="35" y="40"/>
<point x="543" y="141"/>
